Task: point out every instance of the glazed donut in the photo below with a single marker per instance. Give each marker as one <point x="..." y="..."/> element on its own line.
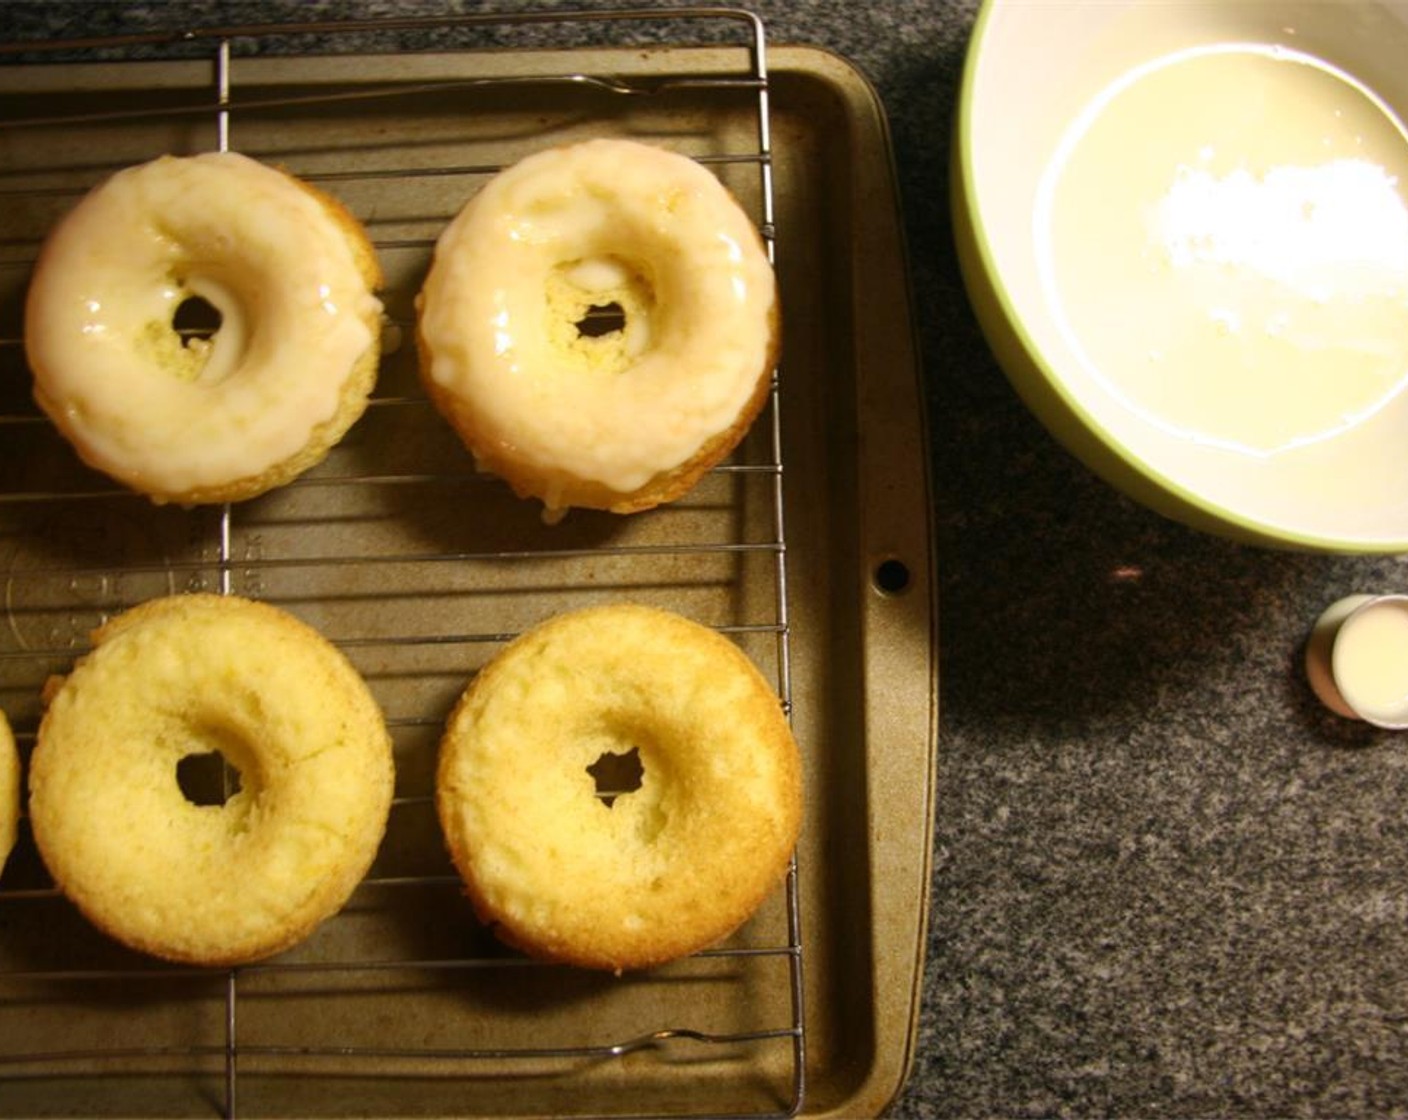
<point x="209" y="884"/>
<point x="9" y="790"/>
<point x="663" y="870"/>
<point x="630" y="418"/>
<point x="291" y="273"/>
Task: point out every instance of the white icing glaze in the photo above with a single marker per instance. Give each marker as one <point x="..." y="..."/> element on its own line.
<point x="600" y="222"/>
<point x="108" y="365"/>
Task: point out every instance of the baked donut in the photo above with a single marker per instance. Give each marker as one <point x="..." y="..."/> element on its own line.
<point x="630" y="418"/>
<point x="291" y="273"/>
<point x="661" y="871"/>
<point x="9" y="790"/>
<point x="209" y="884"/>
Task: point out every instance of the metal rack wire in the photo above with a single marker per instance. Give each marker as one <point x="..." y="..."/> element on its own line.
<point x="369" y="548"/>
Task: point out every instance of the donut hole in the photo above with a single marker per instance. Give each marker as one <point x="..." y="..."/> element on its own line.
<point x="600" y="313"/>
<point x="206" y="339"/>
<point x="616" y="774"/>
<point x="602" y="319"/>
<point x="196" y="320"/>
<point x="207" y="778"/>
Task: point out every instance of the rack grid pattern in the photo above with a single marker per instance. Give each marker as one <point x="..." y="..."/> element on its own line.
<point x="413" y="598"/>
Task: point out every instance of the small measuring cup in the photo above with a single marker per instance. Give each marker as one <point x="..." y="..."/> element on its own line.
<point x="1357" y="659"/>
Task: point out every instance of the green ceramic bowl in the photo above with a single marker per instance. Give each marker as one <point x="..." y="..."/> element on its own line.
<point x="1039" y="80"/>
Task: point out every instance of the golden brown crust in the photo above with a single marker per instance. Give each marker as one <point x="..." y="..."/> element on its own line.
<point x="665" y="870"/>
<point x="9" y="790"/>
<point x="210" y="885"/>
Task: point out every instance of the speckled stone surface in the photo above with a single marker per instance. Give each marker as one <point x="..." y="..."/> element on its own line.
<point x="1166" y="882"/>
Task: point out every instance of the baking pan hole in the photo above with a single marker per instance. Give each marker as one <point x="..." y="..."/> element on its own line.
<point x="891" y="577"/>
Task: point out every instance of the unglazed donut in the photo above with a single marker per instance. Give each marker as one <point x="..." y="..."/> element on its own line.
<point x="664" y="870"/>
<point x="631" y="418"/>
<point x="9" y="790"/>
<point x="286" y="374"/>
<point x="209" y="884"/>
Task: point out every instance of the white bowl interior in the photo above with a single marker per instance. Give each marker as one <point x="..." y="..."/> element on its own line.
<point x="1037" y="67"/>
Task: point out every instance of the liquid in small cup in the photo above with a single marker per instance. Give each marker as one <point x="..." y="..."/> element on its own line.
<point x="1357" y="659"/>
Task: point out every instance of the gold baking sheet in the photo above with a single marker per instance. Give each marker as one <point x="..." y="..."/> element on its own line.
<point x="401" y="1005"/>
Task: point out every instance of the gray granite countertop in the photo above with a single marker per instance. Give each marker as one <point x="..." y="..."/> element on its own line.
<point x="1166" y="882"/>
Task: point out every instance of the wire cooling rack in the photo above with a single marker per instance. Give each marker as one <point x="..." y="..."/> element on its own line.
<point x="417" y="567"/>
